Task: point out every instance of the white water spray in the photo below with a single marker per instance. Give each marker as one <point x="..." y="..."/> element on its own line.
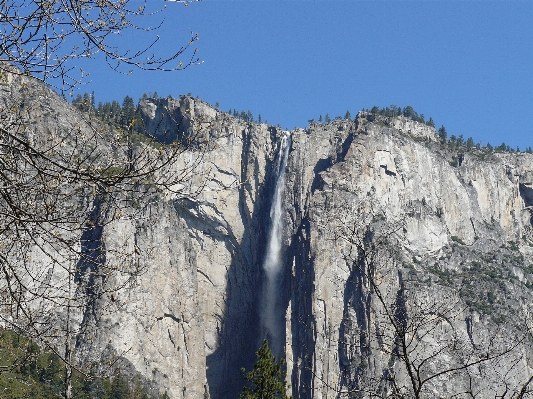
<point x="273" y="265"/>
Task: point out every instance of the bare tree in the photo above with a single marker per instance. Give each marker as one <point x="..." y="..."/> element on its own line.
<point x="65" y="176"/>
<point x="47" y="39"/>
<point x="402" y="336"/>
<point x="60" y="187"/>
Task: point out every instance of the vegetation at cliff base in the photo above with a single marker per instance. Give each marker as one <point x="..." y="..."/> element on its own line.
<point x="267" y="379"/>
<point x="27" y="371"/>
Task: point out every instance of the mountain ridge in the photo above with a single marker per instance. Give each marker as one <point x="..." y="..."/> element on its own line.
<point x="441" y="231"/>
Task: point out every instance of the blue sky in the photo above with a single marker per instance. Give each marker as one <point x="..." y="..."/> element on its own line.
<point x="467" y="64"/>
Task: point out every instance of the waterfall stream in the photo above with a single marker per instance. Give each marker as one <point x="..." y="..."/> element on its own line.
<point x="270" y="317"/>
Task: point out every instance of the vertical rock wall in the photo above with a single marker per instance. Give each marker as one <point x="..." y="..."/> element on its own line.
<point x="345" y="168"/>
<point x="190" y="320"/>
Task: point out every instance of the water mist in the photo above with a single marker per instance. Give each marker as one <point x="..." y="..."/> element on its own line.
<point x="270" y="313"/>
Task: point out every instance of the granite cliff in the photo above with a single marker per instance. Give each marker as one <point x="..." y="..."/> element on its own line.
<point x="196" y="315"/>
<point x="464" y="216"/>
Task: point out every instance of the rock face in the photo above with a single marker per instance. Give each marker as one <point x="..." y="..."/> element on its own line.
<point x="454" y="208"/>
<point x="193" y="319"/>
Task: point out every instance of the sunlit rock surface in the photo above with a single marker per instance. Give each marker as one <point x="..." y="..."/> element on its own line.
<point x="191" y="320"/>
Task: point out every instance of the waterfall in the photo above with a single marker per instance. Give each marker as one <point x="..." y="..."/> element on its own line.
<point x="272" y="317"/>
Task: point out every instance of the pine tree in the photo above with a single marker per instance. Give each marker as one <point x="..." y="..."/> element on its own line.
<point x="119" y="388"/>
<point x="327" y="119"/>
<point x="469" y="144"/>
<point x="409" y="112"/>
<point x="443" y="134"/>
<point x="267" y="379"/>
<point x="502" y="147"/>
<point x="128" y="110"/>
<point x="115" y="110"/>
<point x="77" y="102"/>
<point x="347" y="115"/>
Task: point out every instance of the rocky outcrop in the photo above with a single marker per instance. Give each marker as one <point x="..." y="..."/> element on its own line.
<point x="452" y="218"/>
<point x="192" y="318"/>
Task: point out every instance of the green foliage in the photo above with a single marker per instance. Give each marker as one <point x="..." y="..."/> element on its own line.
<point x="469" y="144"/>
<point x="504" y="148"/>
<point x="528" y="269"/>
<point x="267" y="379"/>
<point x="109" y="112"/>
<point x="29" y="372"/>
<point x="246" y="116"/>
<point x="457" y="240"/>
<point x="455" y="142"/>
<point x="127" y="116"/>
<point x="443" y="134"/>
<point x="444" y="275"/>
<point x="128" y="110"/>
<point x="454" y="162"/>
<point x="408" y="112"/>
<point x="347" y="115"/>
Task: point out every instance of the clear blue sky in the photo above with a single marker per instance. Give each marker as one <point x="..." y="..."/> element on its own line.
<point x="467" y="64"/>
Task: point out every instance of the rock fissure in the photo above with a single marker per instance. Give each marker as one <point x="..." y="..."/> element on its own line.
<point x="194" y="312"/>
